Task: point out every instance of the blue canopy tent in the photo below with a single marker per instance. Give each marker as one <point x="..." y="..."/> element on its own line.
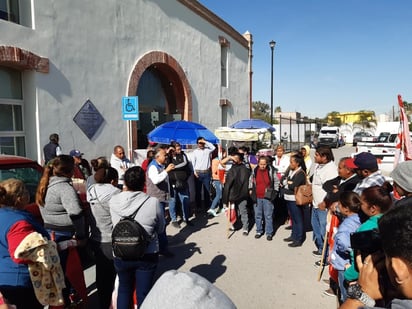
<point x="181" y="131"/>
<point x="252" y="124"/>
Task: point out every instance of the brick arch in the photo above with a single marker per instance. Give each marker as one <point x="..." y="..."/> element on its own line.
<point x="21" y="59"/>
<point x="173" y="72"/>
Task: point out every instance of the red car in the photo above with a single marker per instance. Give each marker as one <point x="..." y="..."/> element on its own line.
<point x="26" y="170"/>
<point x="30" y="172"/>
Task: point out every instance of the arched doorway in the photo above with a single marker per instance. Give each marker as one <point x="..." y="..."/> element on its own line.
<point x="164" y="94"/>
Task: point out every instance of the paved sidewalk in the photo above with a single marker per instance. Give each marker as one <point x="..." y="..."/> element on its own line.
<point x="254" y="273"/>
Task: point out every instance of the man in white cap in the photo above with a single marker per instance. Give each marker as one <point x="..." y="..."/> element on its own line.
<point x="82" y="168"/>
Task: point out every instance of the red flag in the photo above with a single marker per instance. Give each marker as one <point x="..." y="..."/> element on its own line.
<point x="231" y="213"/>
<point x="404" y="146"/>
<point x="333" y="228"/>
<point x="74" y="272"/>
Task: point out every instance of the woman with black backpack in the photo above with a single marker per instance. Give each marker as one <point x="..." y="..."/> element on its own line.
<point x="139" y="272"/>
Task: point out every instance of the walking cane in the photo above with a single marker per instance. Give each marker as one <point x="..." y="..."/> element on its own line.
<point x="231" y="207"/>
<point x="321" y="267"/>
<point x="325" y="242"/>
<point x="228" y="220"/>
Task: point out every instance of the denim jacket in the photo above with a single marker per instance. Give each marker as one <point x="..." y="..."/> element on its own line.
<point x="340" y="255"/>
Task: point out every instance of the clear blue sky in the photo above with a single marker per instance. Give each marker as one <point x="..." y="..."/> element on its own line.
<point x="330" y="55"/>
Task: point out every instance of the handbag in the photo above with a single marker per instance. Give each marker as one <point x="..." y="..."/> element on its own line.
<point x="303" y="194"/>
<point x="270" y="194"/>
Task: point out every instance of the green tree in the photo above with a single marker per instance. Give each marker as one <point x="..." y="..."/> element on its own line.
<point x="261" y="110"/>
<point x="367" y="119"/>
<point x="334" y="119"/>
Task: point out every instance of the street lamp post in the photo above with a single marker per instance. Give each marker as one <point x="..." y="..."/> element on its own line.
<point x="272" y="47"/>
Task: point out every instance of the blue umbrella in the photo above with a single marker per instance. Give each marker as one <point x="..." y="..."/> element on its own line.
<point x="252" y="124"/>
<point x="181" y="131"/>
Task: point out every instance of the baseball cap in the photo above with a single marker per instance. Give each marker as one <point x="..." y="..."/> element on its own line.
<point x="402" y="175"/>
<point x="366" y="160"/>
<point x="349" y="163"/>
<point x="76" y="153"/>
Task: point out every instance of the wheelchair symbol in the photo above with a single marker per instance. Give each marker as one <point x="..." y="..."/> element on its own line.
<point x="129" y="107"/>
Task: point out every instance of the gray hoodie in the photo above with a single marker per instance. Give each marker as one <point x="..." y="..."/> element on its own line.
<point x="185" y="290"/>
<point x="62" y="210"/>
<point x="150" y="215"/>
<point x="99" y="195"/>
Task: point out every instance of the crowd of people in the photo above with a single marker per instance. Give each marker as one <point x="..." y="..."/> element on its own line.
<point x="350" y="198"/>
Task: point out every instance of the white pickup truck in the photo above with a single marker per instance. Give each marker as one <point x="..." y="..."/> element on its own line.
<point x="384" y="150"/>
<point x="383" y="144"/>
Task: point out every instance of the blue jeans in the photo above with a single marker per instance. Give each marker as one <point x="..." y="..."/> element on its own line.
<point x="203" y="180"/>
<point x="319" y="226"/>
<point x="218" y="185"/>
<point x="264" y="211"/>
<point x="296" y="215"/>
<point x="183" y="195"/>
<point x="133" y="274"/>
<point x="63" y="255"/>
<point x="61" y="236"/>
<point x="341" y="279"/>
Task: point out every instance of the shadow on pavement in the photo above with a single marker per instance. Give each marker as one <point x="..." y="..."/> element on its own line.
<point x="183" y="251"/>
<point x="213" y="270"/>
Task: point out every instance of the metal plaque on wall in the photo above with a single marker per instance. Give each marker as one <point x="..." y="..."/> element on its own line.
<point x="88" y="119"/>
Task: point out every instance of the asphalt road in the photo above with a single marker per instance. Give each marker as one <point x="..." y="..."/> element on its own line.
<point x="254" y="273"/>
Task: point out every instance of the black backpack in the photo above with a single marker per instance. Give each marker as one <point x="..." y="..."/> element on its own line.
<point x="129" y="238"/>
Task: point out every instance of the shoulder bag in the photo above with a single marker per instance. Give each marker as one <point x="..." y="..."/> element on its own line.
<point x="303" y="194"/>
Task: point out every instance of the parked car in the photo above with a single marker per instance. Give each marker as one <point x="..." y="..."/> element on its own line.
<point x="26" y="170"/>
<point x="362" y="136"/>
<point x="30" y="172"/>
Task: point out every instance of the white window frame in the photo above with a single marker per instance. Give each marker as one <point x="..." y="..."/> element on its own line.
<point x="15" y="133"/>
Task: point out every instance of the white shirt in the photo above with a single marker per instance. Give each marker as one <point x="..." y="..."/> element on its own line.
<point x="201" y="157"/>
<point x="281" y="164"/>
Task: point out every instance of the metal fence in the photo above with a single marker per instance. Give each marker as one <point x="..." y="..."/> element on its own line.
<point x="293" y="133"/>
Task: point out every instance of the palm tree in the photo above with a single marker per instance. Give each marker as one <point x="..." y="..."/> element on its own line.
<point x="367" y="120"/>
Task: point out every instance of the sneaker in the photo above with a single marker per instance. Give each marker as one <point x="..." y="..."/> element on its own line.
<point x="176" y="224"/>
<point x="316" y="253"/>
<point x="212" y="212"/>
<point x="329" y="292"/>
<point x="317" y="264"/>
<point x="269" y="237"/>
<point x="245" y="233"/>
<point x="232" y="228"/>
<point x="258" y="235"/>
<point x="189" y="223"/>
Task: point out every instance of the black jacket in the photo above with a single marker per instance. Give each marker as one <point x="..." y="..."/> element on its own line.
<point x="298" y="179"/>
<point x="49" y="151"/>
<point x="236" y="187"/>
<point x="182" y="168"/>
<point x="348" y="185"/>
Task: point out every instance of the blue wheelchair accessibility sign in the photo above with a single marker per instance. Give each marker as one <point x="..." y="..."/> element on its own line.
<point x="130" y="108"/>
